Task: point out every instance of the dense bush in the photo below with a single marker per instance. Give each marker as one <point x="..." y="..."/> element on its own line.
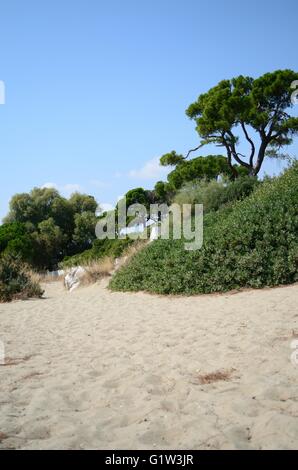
<point x="252" y="244"/>
<point x="16" y="280"/>
<point x="215" y="194"/>
<point x="210" y="194"/>
<point x="15" y="239"/>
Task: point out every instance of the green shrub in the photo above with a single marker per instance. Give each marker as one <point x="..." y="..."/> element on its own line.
<point x="100" y="249"/>
<point x="208" y="193"/>
<point x="253" y="243"/>
<point x="215" y="194"/>
<point x="16" y="281"/>
<point x="239" y="189"/>
<point x="15" y="239"/>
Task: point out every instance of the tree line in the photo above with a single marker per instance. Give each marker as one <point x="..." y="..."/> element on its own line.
<point x="43" y="227"/>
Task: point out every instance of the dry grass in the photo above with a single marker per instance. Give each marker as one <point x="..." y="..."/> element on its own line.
<point x="103" y="267"/>
<point x="96" y="270"/>
<point x="216" y="376"/>
<point x="35" y="277"/>
<point x="132" y="250"/>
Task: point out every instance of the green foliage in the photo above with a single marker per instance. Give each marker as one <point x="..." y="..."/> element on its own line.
<point x="82" y="203"/>
<point x="15" y="280"/>
<point x="134" y="197"/>
<point x="163" y="192"/>
<point x="139" y="196"/>
<point x="63" y="214"/>
<point x="49" y="242"/>
<point x="210" y="194"/>
<point x="203" y="168"/>
<point x="240" y="188"/>
<point x="97" y="249"/>
<point x="252" y="244"/>
<point x="171" y="159"/>
<point x="100" y="249"/>
<point x="255" y="107"/>
<point x="215" y="194"/>
<point x="198" y="169"/>
<point x="21" y="209"/>
<point x="43" y="227"/>
<point x="83" y="235"/>
<point x="15" y="239"/>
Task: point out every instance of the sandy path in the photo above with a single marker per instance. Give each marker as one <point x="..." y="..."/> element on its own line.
<point x="95" y="369"/>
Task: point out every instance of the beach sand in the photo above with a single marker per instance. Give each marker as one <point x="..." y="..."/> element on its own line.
<point x="101" y="370"/>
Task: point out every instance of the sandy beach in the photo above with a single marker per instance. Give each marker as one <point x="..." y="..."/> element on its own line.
<point x="101" y="370"/>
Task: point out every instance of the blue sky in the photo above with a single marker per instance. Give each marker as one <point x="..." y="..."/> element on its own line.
<point x="96" y="90"/>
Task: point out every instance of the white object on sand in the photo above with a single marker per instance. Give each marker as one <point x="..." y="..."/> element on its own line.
<point x="73" y="278"/>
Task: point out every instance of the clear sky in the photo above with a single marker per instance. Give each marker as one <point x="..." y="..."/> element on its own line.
<point x="96" y="90"/>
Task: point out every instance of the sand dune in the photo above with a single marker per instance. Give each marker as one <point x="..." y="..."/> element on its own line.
<point x="95" y="369"/>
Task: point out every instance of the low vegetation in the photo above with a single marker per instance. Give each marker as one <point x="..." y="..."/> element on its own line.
<point x="100" y="249"/>
<point x="17" y="280"/>
<point x="96" y="270"/>
<point x="215" y="194"/>
<point x="251" y="244"/>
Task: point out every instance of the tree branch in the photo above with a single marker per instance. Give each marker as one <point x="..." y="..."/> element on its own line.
<point x="253" y="149"/>
<point x="229" y="155"/>
<point x="200" y="146"/>
<point x="261" y="156"/>
<point x="193" y="150"/>
<point x="234" y="153"/>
